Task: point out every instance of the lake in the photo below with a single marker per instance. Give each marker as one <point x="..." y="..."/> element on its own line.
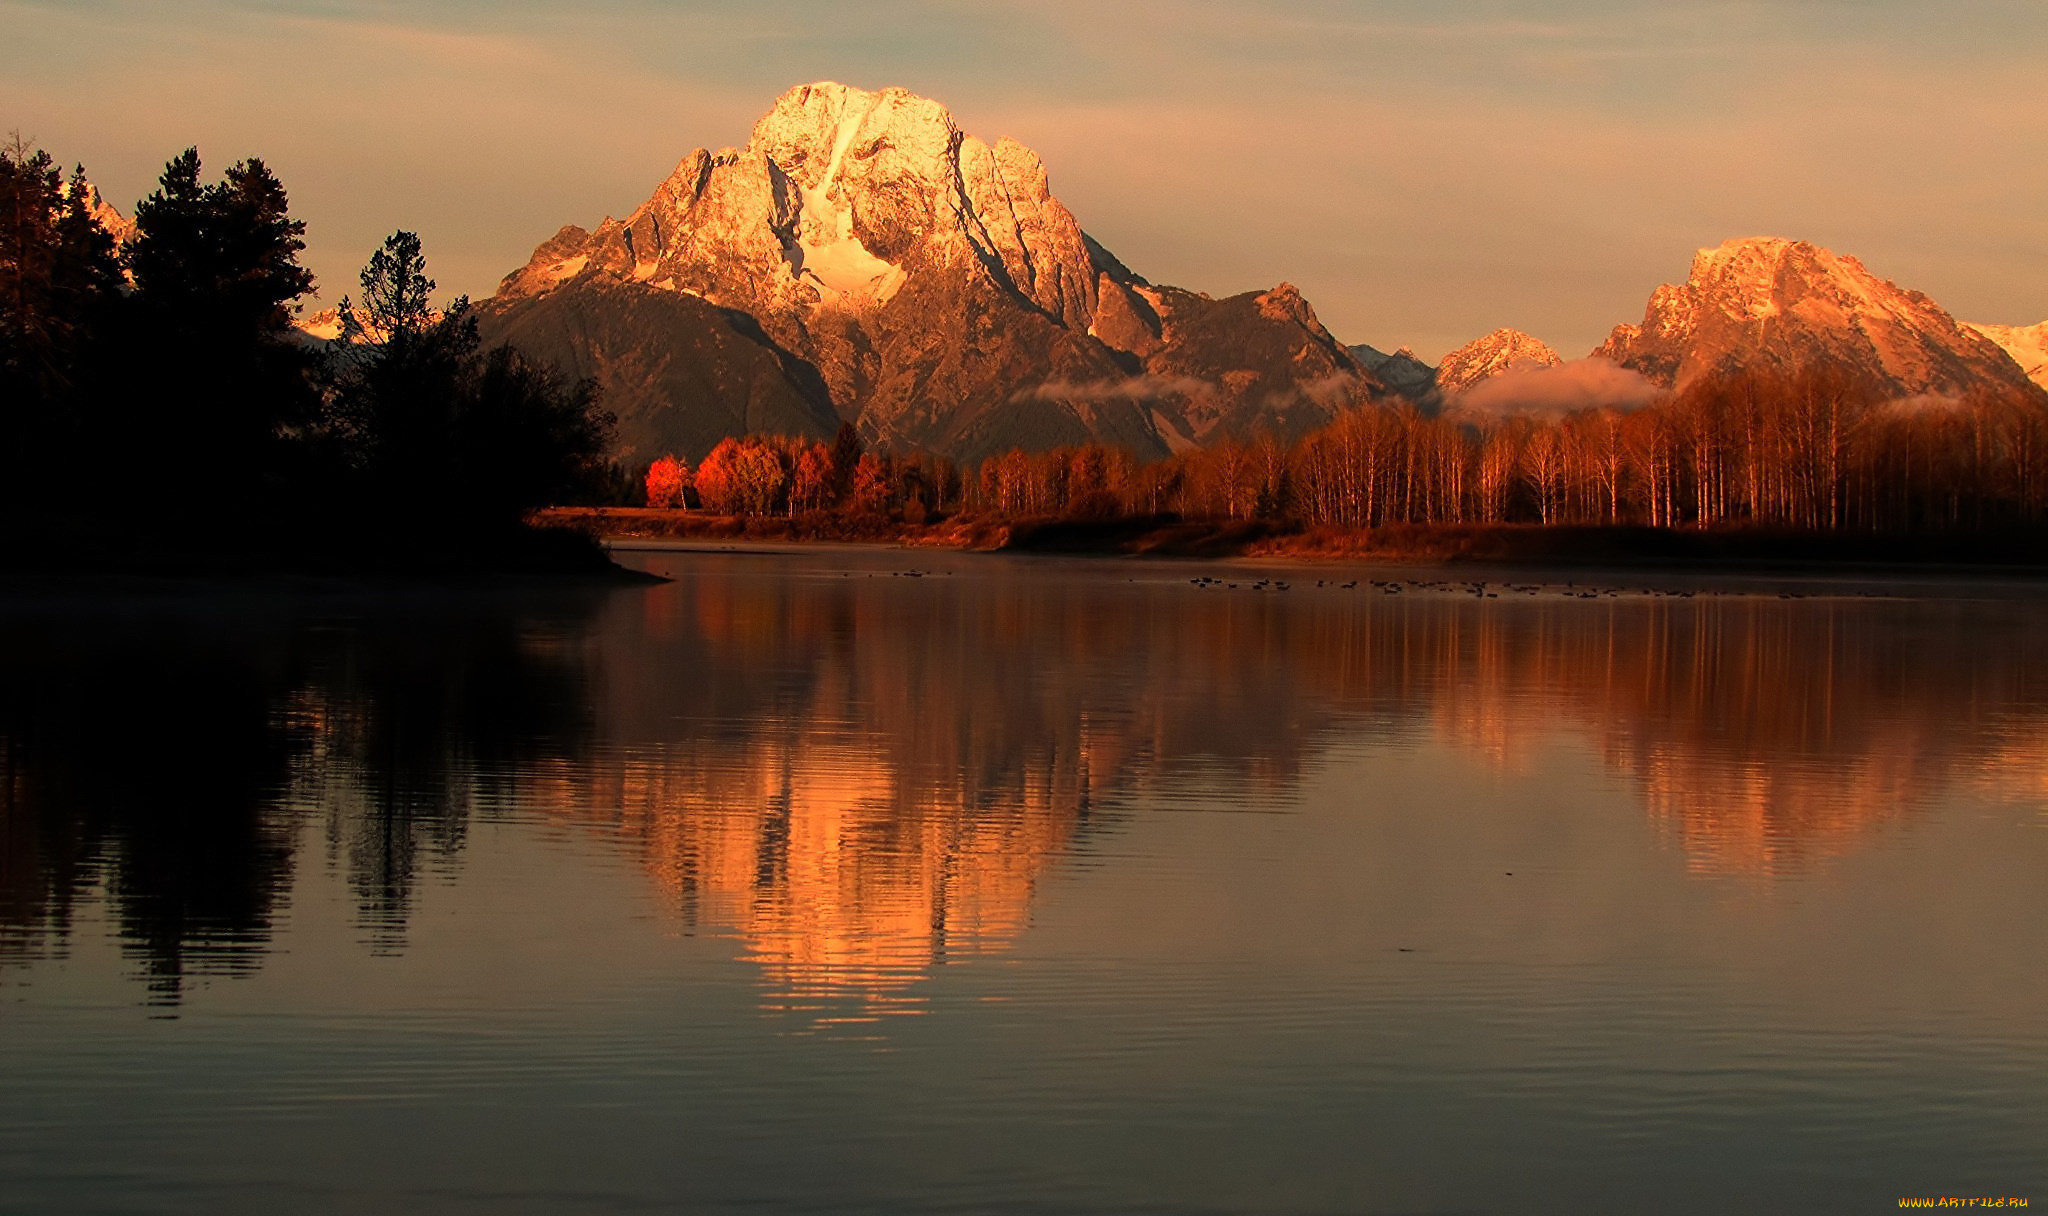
<point x="865" y="880"/>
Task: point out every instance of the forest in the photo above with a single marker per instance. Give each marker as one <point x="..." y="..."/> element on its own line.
<point x="157" y="401"/>
<point x="1813" y="451"/>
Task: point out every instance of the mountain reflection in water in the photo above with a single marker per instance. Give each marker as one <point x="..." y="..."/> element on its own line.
<point x="859" y="775"/>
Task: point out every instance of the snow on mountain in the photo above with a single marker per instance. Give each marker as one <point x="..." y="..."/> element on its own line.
<point x="1776" y="303"/>
<point x="1401" y="371"/>
<point x="2027" y="344"/>
<point x="924" y="283"/>
<point x="118" y="226"/>
<point x="1481" y="359"/>
<point x="324" y="327"/>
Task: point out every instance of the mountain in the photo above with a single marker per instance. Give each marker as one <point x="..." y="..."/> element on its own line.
<point x="1484" y="358"/>
<point x="118" y="226"/>
<point x="323" y="327"/>
<point x="1250" y="363"/>
<point x="1481" y="359"/>
<point x="1766" y="301"/>
<point x="863" y="258"/>
<point x="1403" y="374"/>
<point x="2027" y="344"/>
<point x="679" y="372"/>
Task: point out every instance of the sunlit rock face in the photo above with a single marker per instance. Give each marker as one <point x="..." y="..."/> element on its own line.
<point x="1775" y="304"/>
<point x="1410" y="379"/>
<point x="118" y="226"/>
<point x="2027" y="344"/>
<point x="1482" y="359"/>
<point x="936" y="290"/>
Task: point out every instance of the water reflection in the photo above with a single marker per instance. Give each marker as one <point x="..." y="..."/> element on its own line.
<point x="164" y="756"/>
<point x="142" y="771"/>
<point x="860" y="776"/>
<point x="844" y="876"/>
<point x="415" y="723"/>
<point x="863" y="776"/>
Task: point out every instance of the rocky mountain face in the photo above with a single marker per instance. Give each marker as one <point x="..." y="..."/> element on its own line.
<point x="1402" y="372"/>
<point x="1481" y="359"/>
<point x="1244" y="365"/>
<point x="1484" y="358"/>
<point x="1768" y="302"/>
<point x="2027" y="344"/>
<point x="118" y="226"/>
<point x="679" y="372"/>
<point x="862" y="258"/>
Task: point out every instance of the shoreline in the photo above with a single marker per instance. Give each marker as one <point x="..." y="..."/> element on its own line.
<point x="2012" y="554"/>
<point x="263" y="553"/>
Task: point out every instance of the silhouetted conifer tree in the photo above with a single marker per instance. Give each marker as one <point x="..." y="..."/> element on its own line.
<point x="58" y="278"/>
<point x="215" y="386"/>
<point x="430" y="423"/>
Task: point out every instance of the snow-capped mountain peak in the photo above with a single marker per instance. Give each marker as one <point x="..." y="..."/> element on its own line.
<point x="118" y="226"/>
<point x="2027" y="344"/>
<point x="898" y="271"/>
<point x="1772" y="302"/>
<point x="1483" y="358"/>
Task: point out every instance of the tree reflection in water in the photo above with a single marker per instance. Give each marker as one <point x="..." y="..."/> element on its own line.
<point x="157" y="755"/>
<point x="861" y="778"/>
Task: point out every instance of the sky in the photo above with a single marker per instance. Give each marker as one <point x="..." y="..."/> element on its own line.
<point x="1424" y="171"/>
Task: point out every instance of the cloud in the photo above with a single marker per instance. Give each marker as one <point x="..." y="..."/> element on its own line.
<point x="1923" y="405"/>
<point x="1336" y="390"/>
<point x="1136" y="388"/>
<point x="1581" y="384"/>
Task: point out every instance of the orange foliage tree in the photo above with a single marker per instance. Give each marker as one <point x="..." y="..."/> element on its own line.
<point x="874" y="485"/>
<point x="742" y="477"/>
<point x="668" y="479"/>
<point x="811" y="480"/>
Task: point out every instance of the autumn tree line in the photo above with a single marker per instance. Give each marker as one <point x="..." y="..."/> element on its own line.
<point x="780" y="475"/>
<point x="1816" y="450"/>
<point x="158" y="386"/>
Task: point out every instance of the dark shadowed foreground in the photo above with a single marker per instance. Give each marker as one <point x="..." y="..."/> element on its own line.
<point x="884" y="881"/>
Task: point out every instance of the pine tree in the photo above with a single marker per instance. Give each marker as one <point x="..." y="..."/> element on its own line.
<point x="58" y="279"/>
<point x="218" y="391"/>
<point x="431" y="426"/>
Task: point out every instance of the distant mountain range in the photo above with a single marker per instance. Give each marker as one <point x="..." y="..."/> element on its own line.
<point x="863" y="259"/>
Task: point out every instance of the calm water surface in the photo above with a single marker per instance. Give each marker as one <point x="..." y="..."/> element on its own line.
<point x="802" y="883"/>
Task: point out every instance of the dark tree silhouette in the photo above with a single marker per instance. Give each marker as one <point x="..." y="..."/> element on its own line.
<point x="58" y="278"/>
<point x="431" y="423"/>
<point x="397" y="294"/>
<point x="214" y="388"/>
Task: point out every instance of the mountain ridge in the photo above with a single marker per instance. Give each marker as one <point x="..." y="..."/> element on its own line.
<point x="2027" y="344"/>
<point x="944" y="296"/>
<point x="1784" y="304"/>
